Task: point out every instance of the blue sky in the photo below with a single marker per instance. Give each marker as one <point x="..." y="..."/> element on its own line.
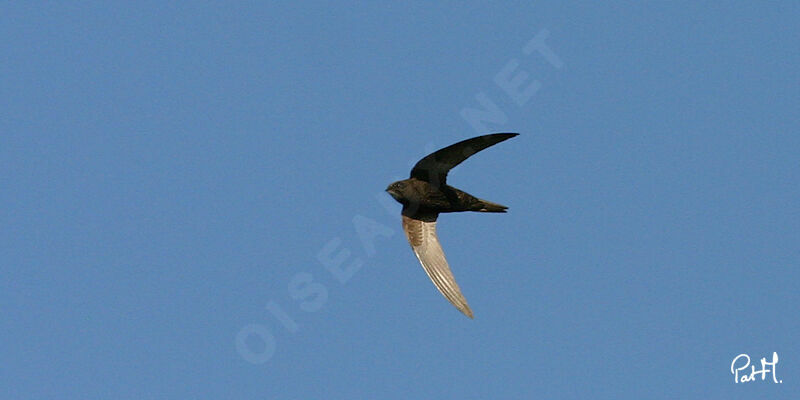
<point x="179" y="180"/>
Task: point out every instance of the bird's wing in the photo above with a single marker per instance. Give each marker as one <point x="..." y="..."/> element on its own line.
<point x="434" y="167"/>
<point x="421" y="234"/>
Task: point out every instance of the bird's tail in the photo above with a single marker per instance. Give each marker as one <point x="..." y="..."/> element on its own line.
<point x="488" y="206"/>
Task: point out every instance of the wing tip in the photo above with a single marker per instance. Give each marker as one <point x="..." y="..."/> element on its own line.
<point x="506" y="134"/>
<point x="464" y="308"/>
<point x="499" y="137"/>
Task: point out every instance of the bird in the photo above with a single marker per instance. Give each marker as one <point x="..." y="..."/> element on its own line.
<point x="426" y="194"/>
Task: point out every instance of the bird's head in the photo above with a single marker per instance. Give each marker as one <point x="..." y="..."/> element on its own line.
<point x="397" y="190"/>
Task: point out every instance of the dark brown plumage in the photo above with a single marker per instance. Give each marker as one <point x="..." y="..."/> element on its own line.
<point x="426" y="194"/>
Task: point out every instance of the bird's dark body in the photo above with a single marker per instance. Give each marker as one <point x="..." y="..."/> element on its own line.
<point x="421" y="197"/>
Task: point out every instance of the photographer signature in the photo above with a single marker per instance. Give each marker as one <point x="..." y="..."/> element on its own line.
<point x="744" y="361"/>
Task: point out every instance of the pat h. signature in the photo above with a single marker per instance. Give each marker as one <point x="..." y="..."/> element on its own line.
<point x="742" y="361"/>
